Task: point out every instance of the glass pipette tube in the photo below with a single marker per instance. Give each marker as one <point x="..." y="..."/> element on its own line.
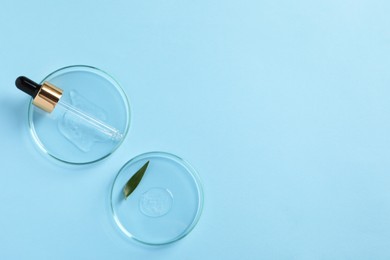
<point x="48" y="97"/>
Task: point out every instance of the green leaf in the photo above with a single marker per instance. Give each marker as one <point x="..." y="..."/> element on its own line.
<point x="133" y="182"/>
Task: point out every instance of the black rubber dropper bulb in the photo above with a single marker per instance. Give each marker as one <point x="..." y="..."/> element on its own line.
<point x="28" y="86"/>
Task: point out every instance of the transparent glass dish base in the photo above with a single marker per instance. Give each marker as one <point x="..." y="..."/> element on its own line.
<point x="165" y="206"/>
<point x="70" y="138"/>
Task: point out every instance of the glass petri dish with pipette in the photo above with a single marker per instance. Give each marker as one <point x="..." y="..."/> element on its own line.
<point x="78" y="114"/>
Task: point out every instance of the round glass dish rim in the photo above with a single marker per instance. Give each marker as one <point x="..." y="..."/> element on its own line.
<point x="194" y="174"/>
<point x="97" y="71"/>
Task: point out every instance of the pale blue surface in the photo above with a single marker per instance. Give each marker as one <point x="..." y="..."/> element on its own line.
<point x="282" y="106"/>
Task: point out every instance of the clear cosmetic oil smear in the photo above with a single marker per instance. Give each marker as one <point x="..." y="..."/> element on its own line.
<point x="81" y="122"/>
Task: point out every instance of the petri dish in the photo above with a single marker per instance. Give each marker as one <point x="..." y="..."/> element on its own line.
<point x="165" y="206"/>
<point x="68" y="137"/>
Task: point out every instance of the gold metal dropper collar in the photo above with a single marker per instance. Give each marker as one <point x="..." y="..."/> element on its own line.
<point x="47" y="97"/>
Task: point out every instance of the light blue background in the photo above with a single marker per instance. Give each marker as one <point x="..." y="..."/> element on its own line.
<point x="282" y="107"/>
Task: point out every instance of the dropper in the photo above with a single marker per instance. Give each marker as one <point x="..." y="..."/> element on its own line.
<point x="47" y="97"/>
